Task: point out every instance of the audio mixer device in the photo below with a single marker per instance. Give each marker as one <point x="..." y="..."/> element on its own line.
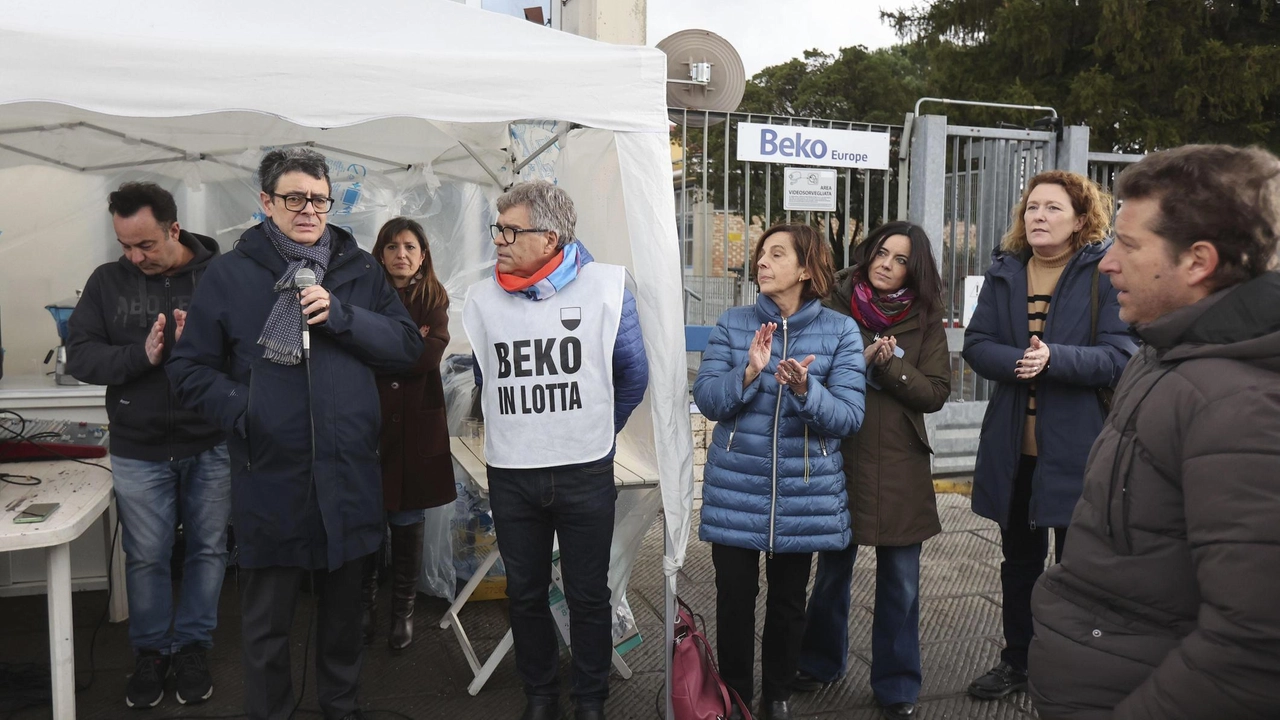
<point x="50" y="439"/>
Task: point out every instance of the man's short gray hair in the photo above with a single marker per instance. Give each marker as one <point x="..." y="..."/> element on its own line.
<point x="550" y="208"/>
<point x="277" y="163"/>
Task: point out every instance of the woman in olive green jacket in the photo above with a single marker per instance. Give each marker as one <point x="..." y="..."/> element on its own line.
<point x="894" y="293"/>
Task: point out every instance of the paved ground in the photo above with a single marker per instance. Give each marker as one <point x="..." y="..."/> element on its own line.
<point x="960" y="629"/>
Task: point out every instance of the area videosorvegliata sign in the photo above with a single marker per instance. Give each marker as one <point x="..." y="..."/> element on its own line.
<point x="824" y="147"/>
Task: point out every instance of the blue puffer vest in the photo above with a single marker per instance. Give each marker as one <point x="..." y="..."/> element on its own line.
<point x="774" y="478"/>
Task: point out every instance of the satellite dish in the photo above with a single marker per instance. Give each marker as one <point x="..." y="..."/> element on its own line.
<point x="704" y="72"/>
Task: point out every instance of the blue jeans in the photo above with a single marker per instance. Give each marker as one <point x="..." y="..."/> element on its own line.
<point x="152" y="497"/>
<point x="577" y="506"/>
<point x="895" y="630"/>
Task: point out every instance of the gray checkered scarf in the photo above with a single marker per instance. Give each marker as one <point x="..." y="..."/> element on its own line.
<point x="282" y="335"/>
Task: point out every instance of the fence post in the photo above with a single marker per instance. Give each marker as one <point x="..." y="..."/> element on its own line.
<point x="1073" y="150"/>
<point x="928" y="181"/>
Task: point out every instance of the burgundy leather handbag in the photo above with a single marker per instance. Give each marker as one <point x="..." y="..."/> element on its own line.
<point x="697" y="692"/>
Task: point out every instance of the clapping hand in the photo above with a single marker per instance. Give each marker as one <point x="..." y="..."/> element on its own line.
<point x="759" y="352"/>
<point x="154" y="344"/>
<point x="794" y="374"/>
<point x="1033" y="361"/>
<point x="881" y="351"/>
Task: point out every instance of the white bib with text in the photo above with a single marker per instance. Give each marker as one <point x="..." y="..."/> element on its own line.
<point x="547" y="367"/>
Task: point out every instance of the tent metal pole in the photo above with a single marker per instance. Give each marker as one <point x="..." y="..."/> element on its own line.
<point x="40" y="157"/>
<point x="560" y="133"/>
<point x="128" y="139"/>
<point x="321" y="146"/>
<point x="362" y="156"/>
<point x="37" y="128"/>
<point x="669" y="617"/>
<point x="224" y="163"/>
<point x="138" y="163"/>
<point x="484" y="165"/>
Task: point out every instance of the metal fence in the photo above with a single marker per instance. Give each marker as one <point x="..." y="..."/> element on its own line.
<point x="724" y="205"/>
<point x="1105" y="168"/>
<point x="987" y="169"/>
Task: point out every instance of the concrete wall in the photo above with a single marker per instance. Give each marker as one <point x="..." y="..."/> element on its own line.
<point x="622" y="22"/>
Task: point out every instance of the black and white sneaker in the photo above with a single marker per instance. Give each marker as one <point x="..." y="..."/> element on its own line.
<point x="191" y="675"/>
<point x="146" y="686"/>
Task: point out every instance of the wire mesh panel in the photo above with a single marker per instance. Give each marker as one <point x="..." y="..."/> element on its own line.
<point x="724" y="205"/>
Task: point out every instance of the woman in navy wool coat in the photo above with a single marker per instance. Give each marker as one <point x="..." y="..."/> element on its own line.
<point x="1047" y="332"/>
<point x="302" y="431"/>
<point x="784" y="380"/>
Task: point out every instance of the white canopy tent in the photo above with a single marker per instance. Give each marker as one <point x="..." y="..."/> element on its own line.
<point x="426" y="107"/>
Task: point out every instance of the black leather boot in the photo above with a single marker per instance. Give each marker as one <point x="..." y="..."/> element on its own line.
<point x="406" y="564"/>
<point x="542" y="710"/>
<point x="369" y="598"/>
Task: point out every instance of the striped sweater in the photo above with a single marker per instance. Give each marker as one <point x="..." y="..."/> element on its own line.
<point x="1042" y="279"/>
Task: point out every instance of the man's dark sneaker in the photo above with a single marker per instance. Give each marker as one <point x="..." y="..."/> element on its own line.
<point x="356" y="714"/>
<point x="146" y="686"/>
<point x="998" y="682"/>
<point x="191" y="675"/>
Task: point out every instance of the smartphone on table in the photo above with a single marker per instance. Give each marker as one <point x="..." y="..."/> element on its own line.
<point x="36" y="512"/>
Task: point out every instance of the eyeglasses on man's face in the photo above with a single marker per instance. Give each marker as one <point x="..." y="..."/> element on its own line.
<point x="294" y="202"/>
<point x="509" y="234"/>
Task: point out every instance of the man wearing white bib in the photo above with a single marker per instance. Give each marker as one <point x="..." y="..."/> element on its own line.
<point x="560" y="361"/>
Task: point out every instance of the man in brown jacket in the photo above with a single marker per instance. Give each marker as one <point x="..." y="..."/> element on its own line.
<point x="1167" y="602"/>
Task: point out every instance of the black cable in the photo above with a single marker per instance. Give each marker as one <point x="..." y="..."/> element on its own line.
<point x="306" y="651"/>
<point x="311" y="575"/>
<point x="93" y="639"/>
<point x="9" y="478"/>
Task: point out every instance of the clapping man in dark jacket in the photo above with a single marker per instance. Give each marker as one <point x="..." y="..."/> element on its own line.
<point x="1165" y="603"/>
<point x="302" y="430"/>
<point x="168" y="464"/>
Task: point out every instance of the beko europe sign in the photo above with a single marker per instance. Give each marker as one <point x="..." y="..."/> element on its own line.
<point x="813" y="146"/>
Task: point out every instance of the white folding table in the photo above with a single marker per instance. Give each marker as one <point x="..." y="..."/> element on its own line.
<point x="469" y="452"/>
<point x="82" y="493"/>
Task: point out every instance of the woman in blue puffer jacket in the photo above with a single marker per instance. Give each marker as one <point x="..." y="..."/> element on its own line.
<point x="784" y="380"/>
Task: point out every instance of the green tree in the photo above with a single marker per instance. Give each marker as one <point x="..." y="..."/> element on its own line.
<point x="868" y="86"/>
<point x="1142" y="75"/>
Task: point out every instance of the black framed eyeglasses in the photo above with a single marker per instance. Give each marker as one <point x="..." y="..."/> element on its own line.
<point x="295" y="203"/>
<point x="509" y="234"/>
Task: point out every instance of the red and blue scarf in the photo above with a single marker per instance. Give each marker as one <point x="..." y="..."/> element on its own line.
<point x="559" y="271"/>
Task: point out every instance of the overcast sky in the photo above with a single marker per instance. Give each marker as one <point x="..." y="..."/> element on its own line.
<point x="771" y="32"/>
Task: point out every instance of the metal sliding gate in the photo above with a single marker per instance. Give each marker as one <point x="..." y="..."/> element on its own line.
<point x="723" y="205"/>
<point x="987" y="169"/>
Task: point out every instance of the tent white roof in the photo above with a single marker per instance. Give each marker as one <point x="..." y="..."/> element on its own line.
<point x="171" y="86"/>
<point x="322" y="63"/>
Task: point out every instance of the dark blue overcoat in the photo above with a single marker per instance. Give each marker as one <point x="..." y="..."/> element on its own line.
<point x="300" y="497"/>
<point x="1068" y="413"/>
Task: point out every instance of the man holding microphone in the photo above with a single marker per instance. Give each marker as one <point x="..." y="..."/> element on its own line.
<point x="302" y="429"/>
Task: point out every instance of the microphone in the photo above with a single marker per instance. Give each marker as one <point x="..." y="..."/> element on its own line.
<point x="305" y="278"/>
